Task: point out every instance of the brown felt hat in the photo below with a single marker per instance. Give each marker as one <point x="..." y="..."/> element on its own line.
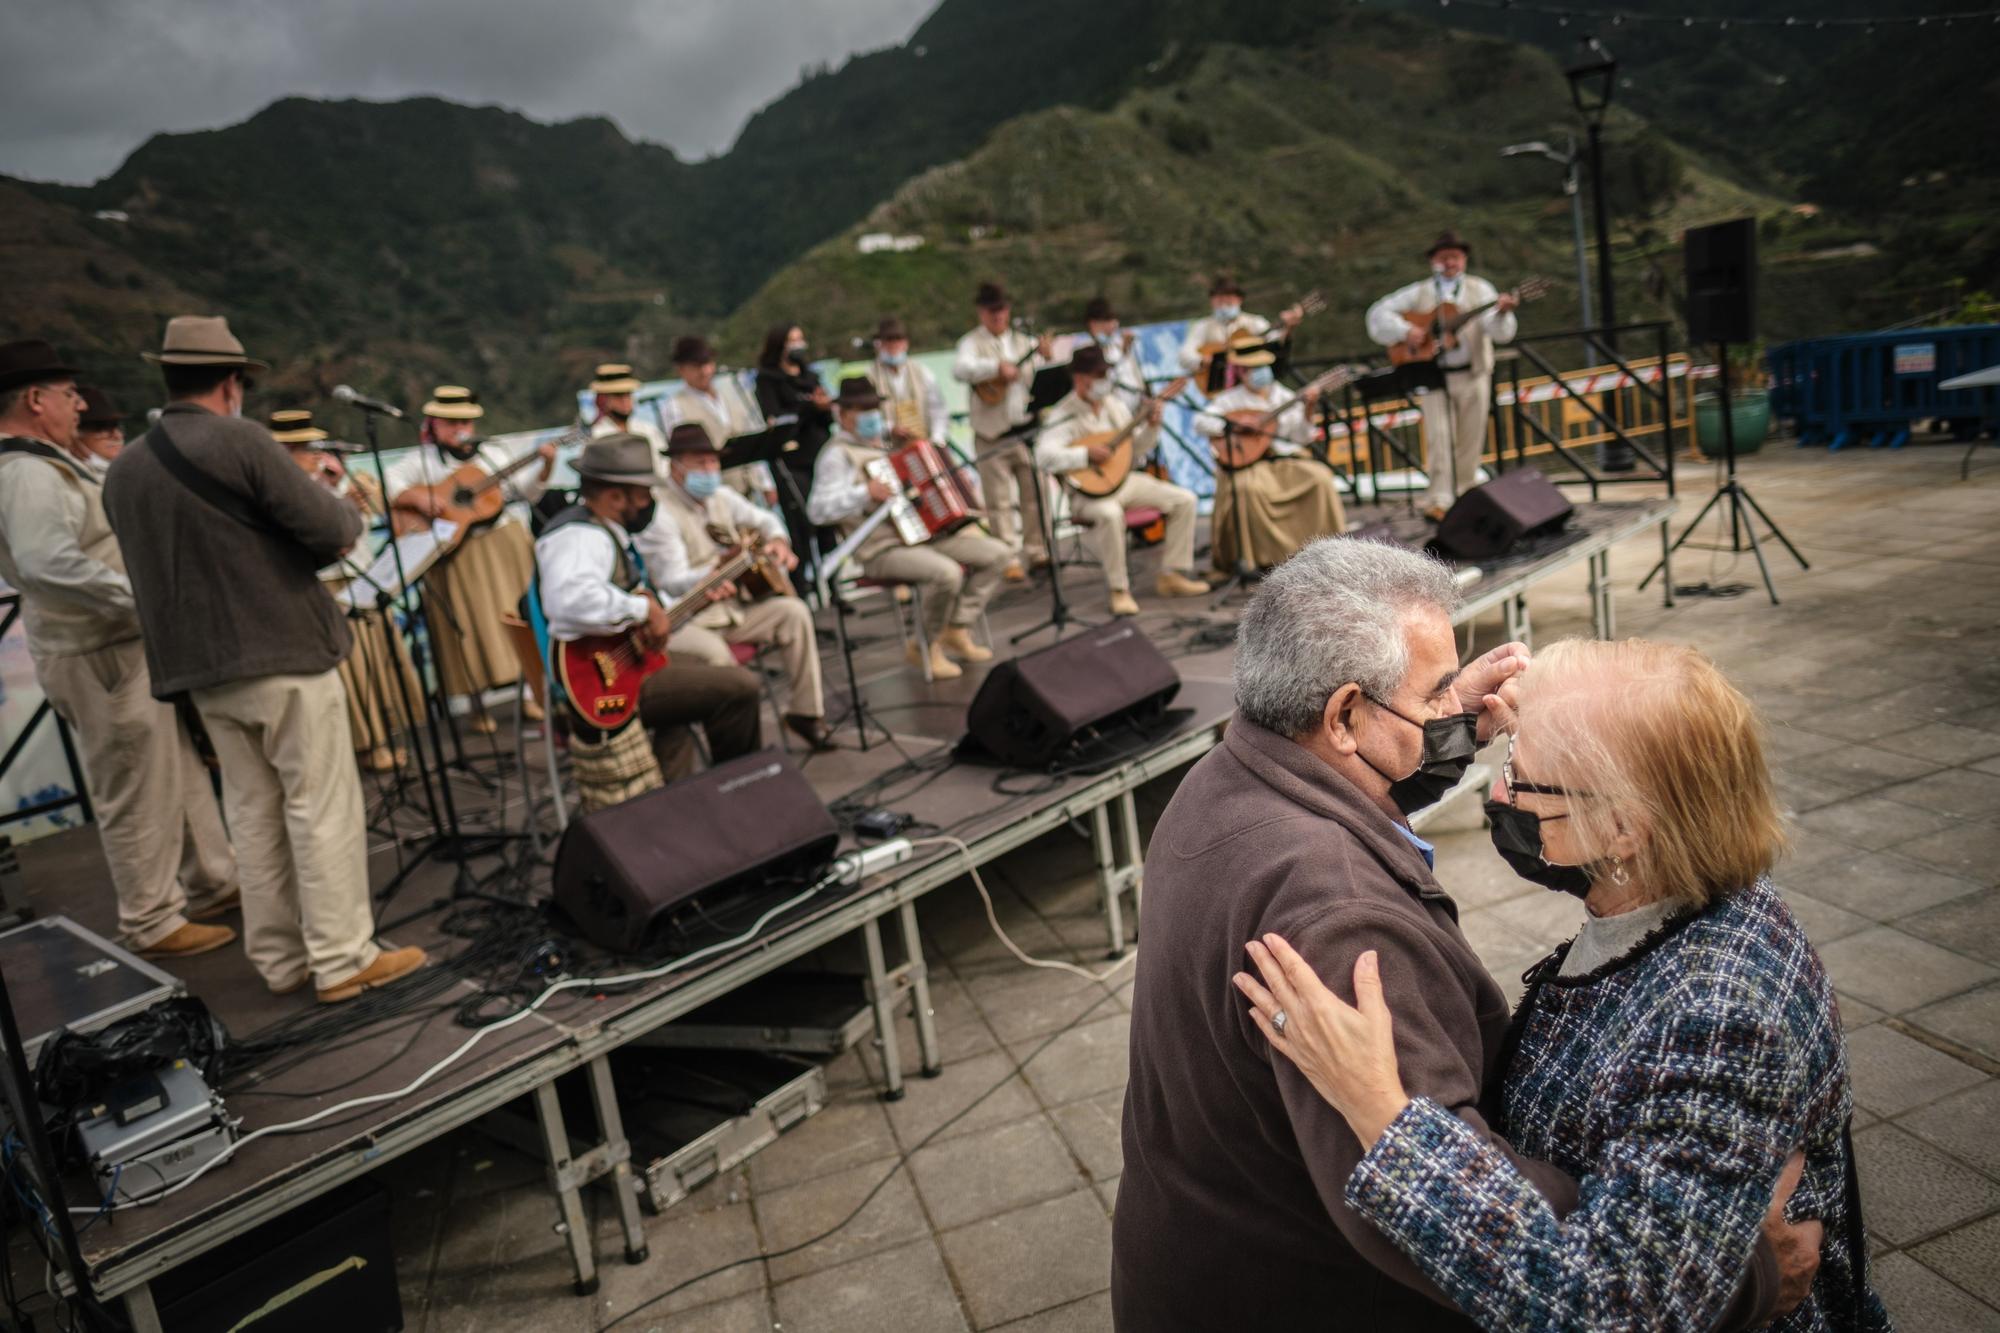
<point x="990" y="296"/>
<point x="1088" y="360"/>
<point x="1449" y="240"/>
<point x="99" y="412"/>
<point x="692" y="350"/>
<point x="891" y="330"/>
<point x="857" y="395"/>
<point x="295" y="425"/>
<point x="689" y="437"/>
<point x="31" y="361"/>
<point x="623" y="459"/>
<point x="1225" y="286"/>
<point x="202" y="340"/>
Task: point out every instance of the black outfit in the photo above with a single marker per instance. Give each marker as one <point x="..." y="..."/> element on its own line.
<point x="784" y="391"/>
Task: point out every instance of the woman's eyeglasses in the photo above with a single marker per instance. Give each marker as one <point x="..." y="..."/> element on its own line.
<point x="1516" y="785"/>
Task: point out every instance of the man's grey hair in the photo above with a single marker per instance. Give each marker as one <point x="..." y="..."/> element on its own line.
<point x="1331" y="614"/>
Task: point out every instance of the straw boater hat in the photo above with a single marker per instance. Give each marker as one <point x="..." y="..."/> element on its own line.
<point x="99" y="412"/>
<point x="692" y="350"/>
<point x="295" y="425"/>
<point x="1087" y="360"/>
<point x="31" y="361"/>
<point x="454" y="402"/>
<point x="614" y="378"/>
<point x="624" y="458"/>
<point x="202" y="340"/>
<point x="689" y="437"/>
<point x="1250" y="349"/>
<point x="1449" y="240"/>
<point x="857" y="395"/>
<point x="891" y="330"/>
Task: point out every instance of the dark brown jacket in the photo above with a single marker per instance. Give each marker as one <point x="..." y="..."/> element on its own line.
<point x="1229" y="1212"/>
<point x="219" y="601"/>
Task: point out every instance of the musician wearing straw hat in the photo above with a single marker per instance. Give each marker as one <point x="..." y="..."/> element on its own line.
<point x="591" y="579"/>
<point x="612" y="391"/>
<point x="955" y="573"/>
<point x="224" y="537"/>
<point x="911" y="399"/>
<point x="1092" y="407"/>
<point x="1226" y="321"/>
<point x="680" y="552"/>
<point x="1285" y="499"/>
<point x="100" y="430"/>
<point x="170" y="861"/>
<point x="1454" y="418"/>
<point x="377" y="705"/>
<point x="995" y="353"/>
<point x="482" y="580"/>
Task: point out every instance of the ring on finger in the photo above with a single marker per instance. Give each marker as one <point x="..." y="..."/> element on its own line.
<point x="1278" y="1020"/>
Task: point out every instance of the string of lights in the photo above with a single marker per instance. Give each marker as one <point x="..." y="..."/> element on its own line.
<point x="1620" y="17"/>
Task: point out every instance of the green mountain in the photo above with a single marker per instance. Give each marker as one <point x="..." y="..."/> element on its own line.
<point x="1132" y="147"/>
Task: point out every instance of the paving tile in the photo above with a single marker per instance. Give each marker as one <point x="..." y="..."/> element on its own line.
<point x="994" y="1171"/>
<point x="1032" y="1259"/>
<point x="1969" y="924"/>
<point x="1945" y="743"/>
<point x="1960" y="791"/>
<point x="1883" y="886"/>
<point x="1823" y="922"/>
<point x="845" y="1133"/>
<point x="679" y="1246"/>
<point x="1544" y="918"/>
<point x="1854" y="1014"/>
<point x="1800" y="792"/>
<point x="1785" y="742"/>
<point x="1897" y="972"/>
<point x="1868" y="765"/>
<point x="1965" y="1124"/>
<point x="1871" y="822"/>
<point x="1107" y="1190"/>
<point x="1087" y="1059"/>
<point x="1972" y="1020"/>
<point x="1893" y="1073"/>
<point x="1911" y="1192"/>
<point x="1810" y="849"/>
<point x="1918" y="1298"/>
<point x="1025" y="1002"/>
<point x="789" y="1217"/>
<point x="1092" y="1314"/>
<point x="1986" y="766"/>
<point x="1965" y="1256"/>
<point x="1970" y="849"/>
<point x="905" y="1289"/>
<point x="989" y="1080"/>
<point x="738" y="1314"/>
<point x="1094" y="1130"/>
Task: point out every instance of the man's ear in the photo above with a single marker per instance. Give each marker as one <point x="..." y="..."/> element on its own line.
<point x="1337" y="718"/>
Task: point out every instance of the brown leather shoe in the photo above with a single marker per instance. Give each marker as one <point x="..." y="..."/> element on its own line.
<point x="813" y="730"/>
<point x="189" y="940"/>
<point x="389" y="966"/>
<point x="1435" y="513"/>
<point x="1173" y="583"/>
<point x="957" y="641"/>
<point x="218" y="907"/>
<point x="1014" y="573"/>
<point x="1122" y="603"/>
<point x="942" y="667"/>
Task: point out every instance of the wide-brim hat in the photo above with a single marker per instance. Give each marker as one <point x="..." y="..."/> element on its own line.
<point x="614" y="378"/>
<point x="1225" y="286"/>
<point x="1249" y="350"/>
<point x="857" y="394"/>
<point x="891" y="330"/>
<point x="693" y="350"/>
<point x="99" y="412"/>
<point x="31" y="361"/>
<point x="1098" y="309"/>
<point x="1088" y="360"/>
<point x="689" y="437"/>
<point x="622" y="459"/>
<point x="202" y="340"/>
<point x="295" y="425"/>
<point x="990" y="296"/>
<point x="1449" y="240"/>
<point x="454" y="402"/>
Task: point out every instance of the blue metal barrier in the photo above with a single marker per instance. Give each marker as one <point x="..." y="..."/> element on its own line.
<point x="1878" y="386"/>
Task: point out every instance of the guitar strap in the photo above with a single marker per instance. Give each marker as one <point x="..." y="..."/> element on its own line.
<point x="205" y="488"/>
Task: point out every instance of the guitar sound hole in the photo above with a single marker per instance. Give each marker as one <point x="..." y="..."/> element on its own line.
<point x="461" y="498"/>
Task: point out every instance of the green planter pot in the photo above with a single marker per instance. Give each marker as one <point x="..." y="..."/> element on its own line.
<point x="1749" y="412"/>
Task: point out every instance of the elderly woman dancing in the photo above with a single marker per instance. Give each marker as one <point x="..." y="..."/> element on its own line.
<point x="1677" y="1056"/>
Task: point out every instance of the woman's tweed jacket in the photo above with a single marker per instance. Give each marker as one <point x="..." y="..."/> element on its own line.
<point x="1672" y="1083"/>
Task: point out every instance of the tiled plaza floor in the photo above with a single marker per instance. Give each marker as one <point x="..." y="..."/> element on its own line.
<point x="1881" y="674"/>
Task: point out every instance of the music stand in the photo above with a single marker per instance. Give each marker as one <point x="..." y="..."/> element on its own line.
<point x="1740" y="527"/>
<point x="1051" y="385"/>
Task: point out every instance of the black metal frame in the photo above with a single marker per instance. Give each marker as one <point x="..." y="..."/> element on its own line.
<point x="80" y="790"/>
<point x="1600" y="342"/>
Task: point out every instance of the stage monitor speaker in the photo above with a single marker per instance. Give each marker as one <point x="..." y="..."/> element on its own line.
<point x="1030" y="709"/>
<point x="1722" y="282"/>
<point x="1490" y="520"/>
<point x="622" y="871"/>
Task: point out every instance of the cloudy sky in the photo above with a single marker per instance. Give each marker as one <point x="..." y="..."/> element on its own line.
<point x="89" y="80"/>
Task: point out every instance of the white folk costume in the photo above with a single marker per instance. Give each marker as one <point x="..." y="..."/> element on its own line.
<point x="1282" y="501"/>
<point x="1057" y="452"/>
<point x="911" y="399"/>
<point x="1211" y="331"/>
<point x="483" y="578"/>
<point x="1007" y="476"/>
<point x="724" y="414"/>
<point x="1455" y="421"/>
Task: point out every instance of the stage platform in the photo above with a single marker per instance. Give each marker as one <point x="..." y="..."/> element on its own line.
<point x="993" y="811"/>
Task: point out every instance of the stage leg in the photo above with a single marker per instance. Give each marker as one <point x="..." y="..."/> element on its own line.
<point x="140" y="1311"/>
<point x="882" y="991"/>
<point x="1115" y="877"/>
<point x="604" y="1100"/>
<point x="1603" y="614"/>
<point x="920" y="991"/>
<point x="563" y="1179"/>
<point x="1520" y="629"/>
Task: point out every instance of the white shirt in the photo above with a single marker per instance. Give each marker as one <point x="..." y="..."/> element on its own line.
<point x="907" y="382"/>
<point x="1128" y="379"/>
<point x="638" y="425"/>
<point x="977" y="359"/>
<point x="839" y="490"/>
<point x="725" y="418"/>
<point x="1209" y="330"/>
<point x="1072" y="418"/>
<point x="576" y="562"/>
<point x="665" y="550"/>
<point x="1294" y="426"/>
<point x="1387" y="326"/>
<point x="43" y="518"/>
<point x="428" y="464"/>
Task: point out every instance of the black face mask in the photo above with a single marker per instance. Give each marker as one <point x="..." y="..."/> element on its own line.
<point x="1449" y="744"/>
<point x="642" y="519"/>
<point x="1517" y="836"/>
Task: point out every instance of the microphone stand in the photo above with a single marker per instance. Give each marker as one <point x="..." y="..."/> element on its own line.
<point x="1059" y="617"/>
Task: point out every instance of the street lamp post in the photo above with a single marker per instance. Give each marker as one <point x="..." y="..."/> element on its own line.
<point x="1591" y="83"/>
<point x="1570" y="161"/>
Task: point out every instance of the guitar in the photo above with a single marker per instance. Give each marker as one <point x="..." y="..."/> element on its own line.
<point x="764" y="577"/>
<point x="1251" y="433"/>
<point x="994" y="391"/>
<point x="1442" y="323"/>
<point x="1097" y="480"/>
<point x="1310" y="304"/>
<point x="602" y="673"/>
<point x="471" y="497"/>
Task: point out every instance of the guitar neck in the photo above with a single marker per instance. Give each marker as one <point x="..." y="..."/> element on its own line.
<point x="696" y="598"/>
<point x="500" y="474"/>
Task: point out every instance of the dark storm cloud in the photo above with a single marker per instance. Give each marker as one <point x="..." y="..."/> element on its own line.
<point x="88" y="80"/>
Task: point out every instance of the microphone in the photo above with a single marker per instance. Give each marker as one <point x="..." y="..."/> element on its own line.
<point x="346" y="393"/>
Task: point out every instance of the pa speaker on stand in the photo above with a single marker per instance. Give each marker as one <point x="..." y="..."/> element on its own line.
<point x="1721" y="263"/>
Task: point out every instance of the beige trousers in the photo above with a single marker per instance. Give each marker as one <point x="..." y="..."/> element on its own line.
<point x="1104" y="533"/>
<point x="784" y="623"/>
<point x="293" y="796"/>
<point x="1012" y="489"/>
<point x="156" y="813"/>
<point x="957" y="575"/>
<point x="1454" y="435"/>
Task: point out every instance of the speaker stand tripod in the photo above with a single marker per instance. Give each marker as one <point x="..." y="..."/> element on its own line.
<point x="1741" y="529"/>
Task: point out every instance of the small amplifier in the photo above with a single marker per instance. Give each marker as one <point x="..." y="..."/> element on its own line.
<point x="155" y="1131"/>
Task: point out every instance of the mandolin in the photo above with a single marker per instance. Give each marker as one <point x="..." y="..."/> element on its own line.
<point x="994" y="391"/>
<point x="1252" y="432"/>
<point x="1442" y="322"/>
<point x="471" y="497"/>
<point x="1101" y="479"/>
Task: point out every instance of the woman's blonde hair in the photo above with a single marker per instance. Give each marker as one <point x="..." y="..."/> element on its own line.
<point x="1665" y="746"/>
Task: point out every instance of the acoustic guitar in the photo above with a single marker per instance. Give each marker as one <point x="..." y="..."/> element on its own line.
<point x="471" y="497"/>
<point x="1252" y="432"/>
<point x="602" y="673"/>
<point x="1098" y="480"/>
<point x="1442" y="323"/>
<point x="1310" y="304"/>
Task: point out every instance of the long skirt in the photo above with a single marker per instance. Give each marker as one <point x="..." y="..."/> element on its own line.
<point x="378" y="709"/>
<point x="468" y="593"/>
<point x="1285" y="503"/>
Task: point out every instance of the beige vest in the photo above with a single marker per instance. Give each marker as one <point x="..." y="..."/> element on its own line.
<point x="884" y="537"/>
<point x="58" y="628"/>
<point x="903" y="398"/>
<point x="693" y="520"/>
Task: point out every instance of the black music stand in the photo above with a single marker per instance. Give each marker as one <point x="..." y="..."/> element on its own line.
<point x="1052" y="384"/>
